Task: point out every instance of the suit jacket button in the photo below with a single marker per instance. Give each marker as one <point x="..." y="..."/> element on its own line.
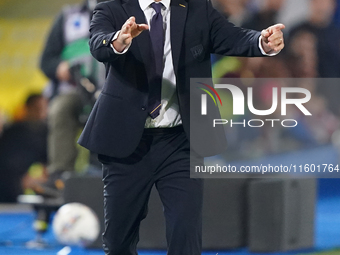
<point x="143" y="108"/>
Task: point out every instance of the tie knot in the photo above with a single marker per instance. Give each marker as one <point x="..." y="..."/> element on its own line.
<point x="157" y="7"/>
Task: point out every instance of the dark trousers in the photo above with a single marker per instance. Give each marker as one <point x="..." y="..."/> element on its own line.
<point x="162" y="158"/>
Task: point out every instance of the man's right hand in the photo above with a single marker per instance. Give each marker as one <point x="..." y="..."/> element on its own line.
<point x="129" y="31"/>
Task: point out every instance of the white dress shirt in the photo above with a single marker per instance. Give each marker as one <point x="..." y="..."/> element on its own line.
<point x="169" y="114"/>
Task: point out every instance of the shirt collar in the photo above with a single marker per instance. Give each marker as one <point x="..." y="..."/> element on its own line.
<point x="144" y="4"/>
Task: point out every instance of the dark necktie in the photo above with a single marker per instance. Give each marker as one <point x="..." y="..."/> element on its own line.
<point x="157" y="40"/>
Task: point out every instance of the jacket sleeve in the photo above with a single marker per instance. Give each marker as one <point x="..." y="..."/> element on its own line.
<point x="51" y="56"/>
<point x="227" y="39"/>
<point x="102" y="31"/>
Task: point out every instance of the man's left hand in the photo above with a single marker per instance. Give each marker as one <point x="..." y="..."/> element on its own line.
<point x="272" y="39"/>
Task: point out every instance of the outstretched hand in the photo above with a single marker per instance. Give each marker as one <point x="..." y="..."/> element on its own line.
<point x="129" y="30"/>
<point x="272" y="39"/>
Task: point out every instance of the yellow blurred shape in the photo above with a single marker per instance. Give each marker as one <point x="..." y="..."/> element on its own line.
<point x="21" y="43"/>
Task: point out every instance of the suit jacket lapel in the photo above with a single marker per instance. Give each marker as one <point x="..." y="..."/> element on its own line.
<point x="132" y="8"/>
<point x="179" y="9"/>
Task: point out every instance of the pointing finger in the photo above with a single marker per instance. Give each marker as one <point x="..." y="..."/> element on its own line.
<point x="142" y="27"/>
<point x="279" y="27"/>
<point x="275" y="28"/>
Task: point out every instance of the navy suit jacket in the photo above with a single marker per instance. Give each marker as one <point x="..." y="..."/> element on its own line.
<point x="116" y="124"/>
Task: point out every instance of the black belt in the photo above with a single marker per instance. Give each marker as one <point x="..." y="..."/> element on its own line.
<point x="157" y="131"/>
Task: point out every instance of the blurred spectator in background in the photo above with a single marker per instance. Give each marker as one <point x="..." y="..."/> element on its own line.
<point x="75" y="76"/>
<point x="35" y="108"/>
<point x="320" y="24"/>
<point x="293" y="12"/>
<point x="314" y="50"/>
<point x="302" y="54"/>
<point x="266" y="16"/>
<point x="22" y="144"/>
<point x="235" y="10"/>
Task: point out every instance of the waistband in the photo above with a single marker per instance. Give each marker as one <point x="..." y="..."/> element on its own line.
<point x="161" y="131"/>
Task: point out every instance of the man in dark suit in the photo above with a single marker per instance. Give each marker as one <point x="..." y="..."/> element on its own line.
<point x="140" y="124"/>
